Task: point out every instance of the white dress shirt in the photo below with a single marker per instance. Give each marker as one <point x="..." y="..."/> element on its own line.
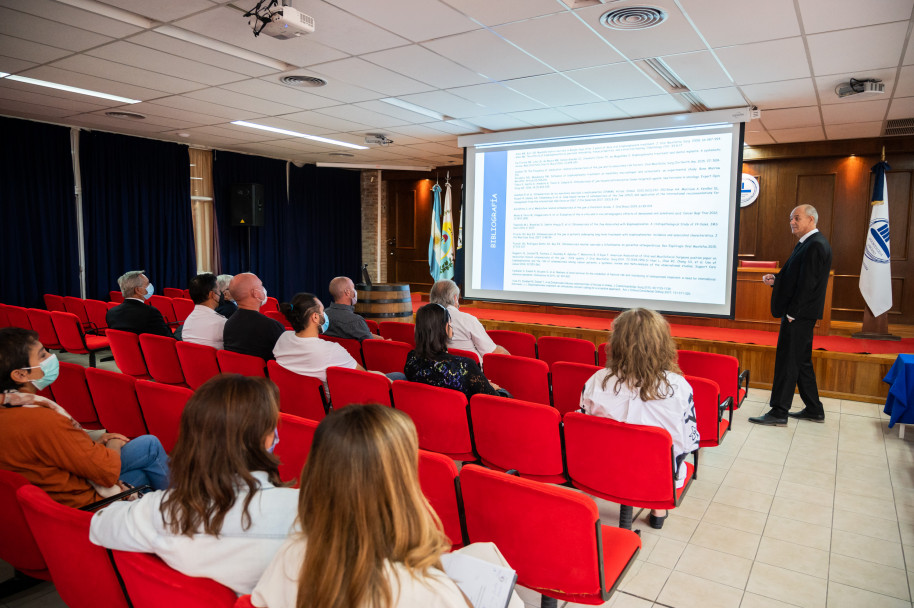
<point x="311" y="356"/>
<point x="204" y="326"/>
<point x="469" y="334"/>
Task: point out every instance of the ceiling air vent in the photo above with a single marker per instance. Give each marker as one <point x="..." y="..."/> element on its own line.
<point x="303" y="81"/>
<point x="127" y="115"/>
<point x="900" y="126"/>
<point x="633" y="18"/>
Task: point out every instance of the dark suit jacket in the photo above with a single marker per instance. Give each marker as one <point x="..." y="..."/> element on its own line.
<point x="136" y="317"/>
<point x="799" y="287"/>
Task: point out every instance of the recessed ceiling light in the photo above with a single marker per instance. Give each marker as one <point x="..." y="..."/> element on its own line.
<point x="127" y="115"/>
<point x="251" y="125"/>
<point x="342" y="154"/>
<point x="303" y="81"/>
<point x="64" y="87"/>
<point x="633" y="18"/>
<point x="183" y="134"/>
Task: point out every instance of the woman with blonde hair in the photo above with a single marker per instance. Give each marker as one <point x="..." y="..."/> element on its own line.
<point x="225" y="513"/>
<point x="642" y="384"/>
<point x="368" y="538"/>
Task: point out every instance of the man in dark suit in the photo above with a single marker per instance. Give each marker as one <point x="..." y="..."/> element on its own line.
<point x="133" y="314"/>
<point x="798" y="298"/>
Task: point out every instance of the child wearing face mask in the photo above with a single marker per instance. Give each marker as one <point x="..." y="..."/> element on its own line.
<point x="42" y="442"/>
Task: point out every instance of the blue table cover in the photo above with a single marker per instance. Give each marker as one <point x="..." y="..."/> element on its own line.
<point x="899" y="405"/>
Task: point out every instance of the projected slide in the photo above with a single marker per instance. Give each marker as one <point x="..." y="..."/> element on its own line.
<point x="645" y="218"/>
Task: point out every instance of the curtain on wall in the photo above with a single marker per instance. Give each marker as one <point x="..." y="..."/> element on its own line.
<point x="136" y="209"/>
<point x="38" y="213"/>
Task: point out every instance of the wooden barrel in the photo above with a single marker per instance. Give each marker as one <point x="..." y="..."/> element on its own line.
<point x="385" y="302"/>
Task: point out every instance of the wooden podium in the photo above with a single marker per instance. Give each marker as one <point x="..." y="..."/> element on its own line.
<point x="753" y="302"/>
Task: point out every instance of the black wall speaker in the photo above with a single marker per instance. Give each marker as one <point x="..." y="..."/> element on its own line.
<point x="246" y="205"/>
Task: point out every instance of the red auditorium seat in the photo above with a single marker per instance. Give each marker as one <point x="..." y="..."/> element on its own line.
<point x="472" y="356"/>
<point x="173" y="292"/>
<point x="295" y="437"/>
<point x="54" y="302"/>
<point x="162" y="359"/>
<point x="722" y="369"/>
<point x="42" y="323"/>
<point x="278" y="316"/>
<point x="557" y="348"/>
<point x="74" y="340"/>
<point x="523" y="377"/>
<point x="385" y="355"/>
<point x="151" y="583"/>
<point x="162" y="406"/>
<point x="568" y="381"/>
<point x="238" y="363"/>
<point x="272" y="304"/>
<point x="440" y="416"/>
<point x="183" y="307"/>
<point x="165" y="307"/>
<point x="299" y="395"/>
<point x="352" y="386"/>
<point x="97" y="311"/>
<point x="198" y="362"/>
<point x="353" y="347"/>
<point x="114" y="396"/>
<point x="77" y="306"/>
<point x="441" y="486"/>
<point x="518" y="343"/>
<point x="18" y="547"/>
<point x="400" y="332"/>
<point x="125" y="346"/>
<point x="71" y="392"/>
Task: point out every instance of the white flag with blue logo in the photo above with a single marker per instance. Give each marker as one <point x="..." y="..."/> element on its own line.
<point x="876" y="272"/>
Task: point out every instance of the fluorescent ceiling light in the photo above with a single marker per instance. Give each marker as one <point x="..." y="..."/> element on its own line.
<point x="111" y="12"/>
<point x="3" y="74"/>
<point x="64" y="87"/>
<point x="243" y="123"/>
<point x="222" y="47"/>
<point x="414" y="108"/>
<point x="462" y="123"/>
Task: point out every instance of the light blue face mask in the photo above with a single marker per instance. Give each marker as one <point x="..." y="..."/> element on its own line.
<point x="326" y="324"/>
<point x="150" y="289"/>
<point x="51" y="369"/>
<point x="275" y="440"/>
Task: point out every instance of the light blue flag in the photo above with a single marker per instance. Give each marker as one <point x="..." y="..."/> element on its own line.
<point x="435" y="238"/>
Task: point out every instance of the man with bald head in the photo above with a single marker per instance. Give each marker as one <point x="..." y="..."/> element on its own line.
<point x="249" y="331"/>
<point x="344" y="323"/>
<point x="798" y="299"/>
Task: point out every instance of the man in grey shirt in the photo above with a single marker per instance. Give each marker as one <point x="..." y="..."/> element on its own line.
<point x="344" y="323"/>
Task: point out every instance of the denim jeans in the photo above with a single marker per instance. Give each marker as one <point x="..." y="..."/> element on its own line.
<point x="143" y="461"/>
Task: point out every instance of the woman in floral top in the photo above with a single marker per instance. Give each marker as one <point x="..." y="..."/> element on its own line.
<point x="430" y="363"/>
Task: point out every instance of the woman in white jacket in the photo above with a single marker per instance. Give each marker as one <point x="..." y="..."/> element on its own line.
<point x="225" y="513"/>
<point x="642" y="384"/>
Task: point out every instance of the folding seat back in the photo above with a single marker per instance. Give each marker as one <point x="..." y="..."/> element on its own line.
<point x="165" y="307"/>
<point x="54" y="302"/>
<point x="73" y="339"/>
<point x="17" y="543"/>
<point x="185" y="293"/>
<point x="352" y="386"/>
<point x="18" y="317"/>
<point x="173" y="292"/>
<point x="373" y="326"/>
<point x="519" y="435"/>
<point x="295" y="437"/>
<point x="162" y="359"/>
<point x="441" y="486"/>
<point x="568" y="381"/>
<point x="76" y="306"/>
<point x="97" y="311"/>
<point x="385" y="355"/>
<point x="125" y="346"/>
<point x="523" y="377"/>
<point x="352" y="347"/>
<point x="239" y="363"/>
<point x="722" y="369"/>
<point x="401" y="332"/>
<point x="82" y="572"/>
<point x="472" y="356"/>
<point x="4" y="318"/>
<point x="272" y="304"/>
<point x="114" y="396"/>
<point x="111" y="305"/>
<point x="42" y="323"/>
<point x="71" y="392"/>
<point x="441" y="417"/>
<point x="604" y="351"/>
<point x="151" y="583"/>
<point x="183" y="307"/>
<point x="162" y="406"/>
<point x="278" y="316"/>
<point x="709" y="410"/>
<point x="299" y="395"/>
<point x="557" y="348"/>
<point x="518" y="343"/>
<point x="551" y="536"/>
<point x="629" y="464"/>
<point x="198" y="362"/>
<point x="116" y="296"/>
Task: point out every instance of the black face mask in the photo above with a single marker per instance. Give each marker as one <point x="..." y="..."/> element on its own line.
<point x="221" y="299"/>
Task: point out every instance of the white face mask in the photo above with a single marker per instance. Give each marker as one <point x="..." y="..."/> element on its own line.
<point x="263" y="302"/>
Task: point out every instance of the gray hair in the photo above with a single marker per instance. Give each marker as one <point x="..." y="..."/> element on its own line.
<point x="129" y="281"/>
<point x="443" y="292"/>
<point x="222" y="282"/>
<point x="811" y="212"/>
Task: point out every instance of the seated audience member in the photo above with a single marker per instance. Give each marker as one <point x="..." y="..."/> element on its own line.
<point x="642" y="385"/>
<point x="430" y="363"/>
<point x="365" y="535"/>
<point x="468" y="332"/>
<point x="344" y="323"/>
<point x="204" y="325"/>
<point x="133" y="314"/>
<point x="249" y="331"/>
<point x="43" y="443"/>
<point x="227" y="306"/>
<point x="226" y="513"/>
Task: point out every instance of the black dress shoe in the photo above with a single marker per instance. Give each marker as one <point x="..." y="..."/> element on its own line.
<point x="657" y="522"/>
<point x="805" y="414"/>
<point x="769" y="420"/>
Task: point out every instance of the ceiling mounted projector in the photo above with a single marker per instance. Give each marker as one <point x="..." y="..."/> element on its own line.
<point x="868" y="86"/>
<point x="378" y="138"/>
<point x="281" y="22"/>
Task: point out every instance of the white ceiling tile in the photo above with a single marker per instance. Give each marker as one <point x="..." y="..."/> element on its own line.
<point x="367" y="75"/>
<point x="47" y="32"/>
<point x="362" y="115"/>
<point x="759" y="138"/>
<point x="28" y="109"/>
<point x="593" y="112"/>
<point x="347" y="32"/>
<point x="561" y="41"/>
<point x="294" y="122"/>
<point x="200" y="106"/>
<point x="675" y="35"/>
<point x="405" y="116"/>
<point x="500" y="122"/>
<point x="905" y="86"/>
<point x="93" y="83"/>
<point x="208" y="139"/>
<point x="902" y="107"/>
<point x="200" y="54"/>
<point x="242" y="102"/>
<point x="115" y="125"/>
<point x="498" y="96"/>
<point x="102" y="68"/>
<point x="650" y="106"/>
<point x="164" y="63"/>
<point x="236" y="132"/>
<point x="544" y="118"/>
<point x="785" y="136"/>
<point x="791" y="118"/>
<point x="162" y="123"/>
<point x="56" y="11"/>
<point x="487" y="54"/>
<point x="334" y="89"/>
<point x="448" y="104"/>
<point x="724" y="97"/>
<point x="862" y="111"/>
<point x="775" y="60"/>
<point x="826" y="15"/>
<point x="156" y="109"/>
<point x="505" y="11"/>
<point x="862" y="48"/>
<point x="27" y="50"/>
<point x="786" y="94"/>
<point x="854" y="131"/>
<point x="12" y="66"/>
<point x="699" y="70"/>
<point x="327" y="122"/>
<point x="451" y="129"/>
<point x="552" y="90"/>
<point x="437" y="147"/>
<point x="422" y="131"/>
<point x="826" y="85"/>
<point x="617" y="81"/>
<point x="422" y="64"/>
<point x="729" y="22"/>
<point x="416" y="20"/>
<point x="162" y="10"/>
<point x="15" y="91"/>
<point x="300" y="98"/>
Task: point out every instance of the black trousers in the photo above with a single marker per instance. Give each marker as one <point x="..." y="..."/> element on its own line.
<point x="793" y="368"/>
